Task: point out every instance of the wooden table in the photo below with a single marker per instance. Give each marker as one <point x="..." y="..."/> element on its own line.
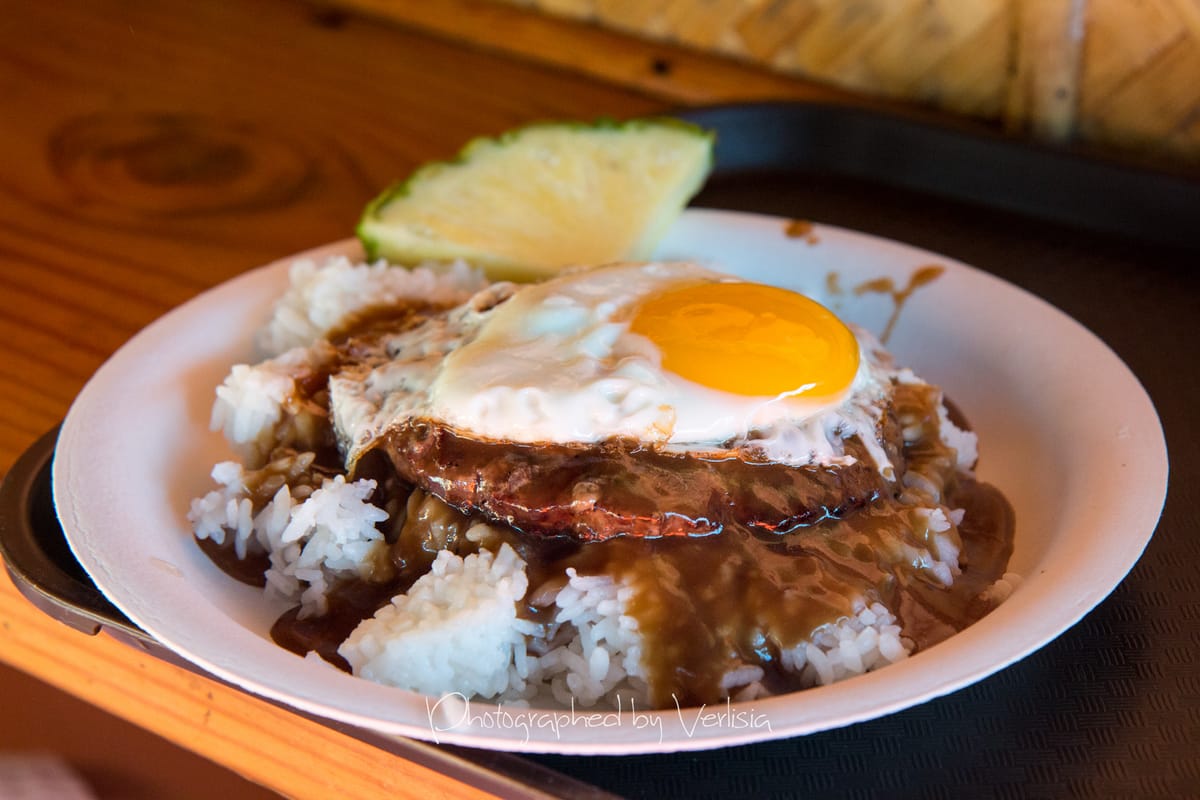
<point x="153" y="150"/>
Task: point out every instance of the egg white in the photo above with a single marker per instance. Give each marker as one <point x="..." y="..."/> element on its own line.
<point x="556" y="363"/>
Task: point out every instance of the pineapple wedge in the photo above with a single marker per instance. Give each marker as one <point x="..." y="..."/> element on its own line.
<point x="543" y="197"/>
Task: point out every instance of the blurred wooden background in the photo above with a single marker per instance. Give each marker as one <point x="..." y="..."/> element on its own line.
<point x="1115" y="73"/>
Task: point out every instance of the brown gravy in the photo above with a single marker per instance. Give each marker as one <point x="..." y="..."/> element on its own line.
<point x="707" y="604"/>
<point x="801" y="229"/>
<point x="922" y="277"/>
<point x="250" y="570"/>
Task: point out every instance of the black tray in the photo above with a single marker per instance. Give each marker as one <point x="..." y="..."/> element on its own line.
<point x="1110" y="708"/>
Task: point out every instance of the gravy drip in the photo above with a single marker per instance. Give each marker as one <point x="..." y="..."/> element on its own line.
<point x="922" y="277"/>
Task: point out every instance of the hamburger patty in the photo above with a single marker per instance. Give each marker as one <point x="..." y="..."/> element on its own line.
<point x="620" y="487"/>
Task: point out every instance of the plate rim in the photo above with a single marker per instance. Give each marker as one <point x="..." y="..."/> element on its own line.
<point x="72" y="429"/>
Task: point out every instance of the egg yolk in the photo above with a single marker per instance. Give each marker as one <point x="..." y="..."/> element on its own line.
<point x="749" y="339"/>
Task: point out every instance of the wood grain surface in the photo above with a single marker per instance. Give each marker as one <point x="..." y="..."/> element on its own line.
<point x="153" y="150"/>
<point x="267" y="744"/>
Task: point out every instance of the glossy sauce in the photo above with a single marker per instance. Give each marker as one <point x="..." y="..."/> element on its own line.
<point x="705" y="605"/>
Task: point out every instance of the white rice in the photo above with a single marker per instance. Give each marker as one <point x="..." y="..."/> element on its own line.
<point x="311" y="544"/>
<point x="257" y="406"/>
<point x="456" y="631"/>
<point x="601" y="656"/>
<point x="225" y="510"/>
<point x="321" y="297"/>
<point x="848" y="646"/>
<point x="1002" y="589"/>
<point x="328" y="537"/>
<point x="964" y="443"/>
<point x="939" y="558"/>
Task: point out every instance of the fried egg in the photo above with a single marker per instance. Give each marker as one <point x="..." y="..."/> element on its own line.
<point x="670" y="354"/>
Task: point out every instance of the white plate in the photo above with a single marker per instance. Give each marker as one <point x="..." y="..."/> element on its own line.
<point x="1065" y="430"/>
